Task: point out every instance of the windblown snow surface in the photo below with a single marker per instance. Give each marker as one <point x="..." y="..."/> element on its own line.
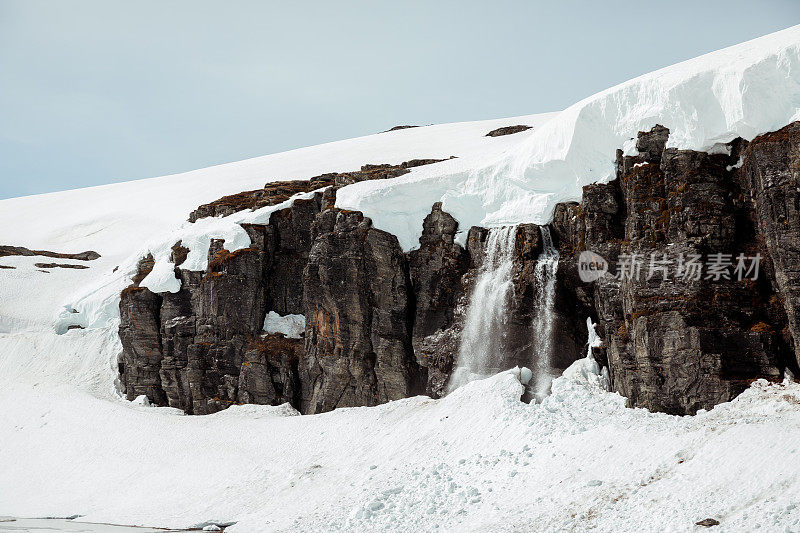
<point x="477" y="460"/>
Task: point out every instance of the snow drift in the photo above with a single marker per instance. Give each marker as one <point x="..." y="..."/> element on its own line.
<point x="741" y="91"/>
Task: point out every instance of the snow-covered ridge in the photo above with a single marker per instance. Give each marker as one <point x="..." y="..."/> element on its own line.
<point x="125" y="221"/>
<point x="741" y="91"/>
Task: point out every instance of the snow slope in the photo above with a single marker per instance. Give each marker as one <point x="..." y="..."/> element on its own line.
<point x="741" y="91"/>
<point x="477" y="460"/>
<point x="124" y="221"/>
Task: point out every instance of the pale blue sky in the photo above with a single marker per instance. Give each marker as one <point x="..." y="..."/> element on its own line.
<point x="96" y="91"/>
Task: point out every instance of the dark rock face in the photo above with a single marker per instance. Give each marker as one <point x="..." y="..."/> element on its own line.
<point x="436" y="269"/>
<point x="358" y="332"/>
<point x="771" y="181"/>
<point x="508" y="130"/>
<point x="139" y="332"/>
<point x="288" y="243"/>
<point x="205" y="343"/>
<point x="269" y="373"/>
<point x="383" y="325"/>
<point x="674" y="344"/>
<point x="21" y="250"/>
<point x="202" y="349"/>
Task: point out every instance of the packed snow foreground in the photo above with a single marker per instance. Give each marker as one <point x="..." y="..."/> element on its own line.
<point x="478" y="459"/>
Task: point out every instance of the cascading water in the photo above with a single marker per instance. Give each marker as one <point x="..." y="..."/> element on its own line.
<point x="481" y="349"/>
<point x="545" y="276"/>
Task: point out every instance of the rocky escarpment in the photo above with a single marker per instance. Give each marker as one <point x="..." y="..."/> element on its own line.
<point x="681" y="334"/>
<point x="382" y="324"/>
<point x="202" y="349"/>
<point x="770" y="181"/>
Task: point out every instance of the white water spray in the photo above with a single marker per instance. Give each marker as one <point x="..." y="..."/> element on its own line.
<point x="545" y="276"/>
<point x="481" y="350"/>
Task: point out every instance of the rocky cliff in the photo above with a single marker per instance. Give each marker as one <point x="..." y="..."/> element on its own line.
<point x="382" y="324"/>
<point x="687" y="322"/>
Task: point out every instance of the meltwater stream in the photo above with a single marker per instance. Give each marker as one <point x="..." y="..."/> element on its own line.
<point x="484" y="340"/>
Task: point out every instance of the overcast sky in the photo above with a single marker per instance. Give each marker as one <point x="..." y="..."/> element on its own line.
<point x="97" y="91"/>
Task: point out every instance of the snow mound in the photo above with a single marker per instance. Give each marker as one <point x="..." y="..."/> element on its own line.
<point x="741" y="91"/>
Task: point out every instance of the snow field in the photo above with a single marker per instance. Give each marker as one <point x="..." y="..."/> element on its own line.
<point x="477" y="460"/>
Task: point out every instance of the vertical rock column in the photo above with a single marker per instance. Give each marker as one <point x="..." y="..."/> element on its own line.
<point x="771" y="174"/>
<point x="358" y="317"/>
<point x="675" y="344"/>
<point x="436" y="270"/>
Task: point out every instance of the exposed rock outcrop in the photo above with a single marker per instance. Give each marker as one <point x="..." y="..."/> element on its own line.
<point x="139" y="332"/>
<point x="770" y="178"/>
<point x="436" y="270"/>
<point x="676" y="344"/>
<point x="273" y="193"/>
<point x="59" y="265"/>
<point x="358" y="309"/>
<point x="276" y="192"/>
<point x="508" y="130"/>
<point x="21" y="250"/>
<point x="401" y="127"/>
<point x="205" y="341"/>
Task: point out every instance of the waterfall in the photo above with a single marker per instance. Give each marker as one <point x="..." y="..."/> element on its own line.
<point x="481" y="351"/>
<point x="545" y="278"/>
<point x="484" y="344"/>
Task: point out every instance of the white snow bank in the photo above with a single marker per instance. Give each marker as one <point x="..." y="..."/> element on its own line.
<point x="741" y="91"/>
<point x="477" y="460"/>
<point x="293" y="326"/>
